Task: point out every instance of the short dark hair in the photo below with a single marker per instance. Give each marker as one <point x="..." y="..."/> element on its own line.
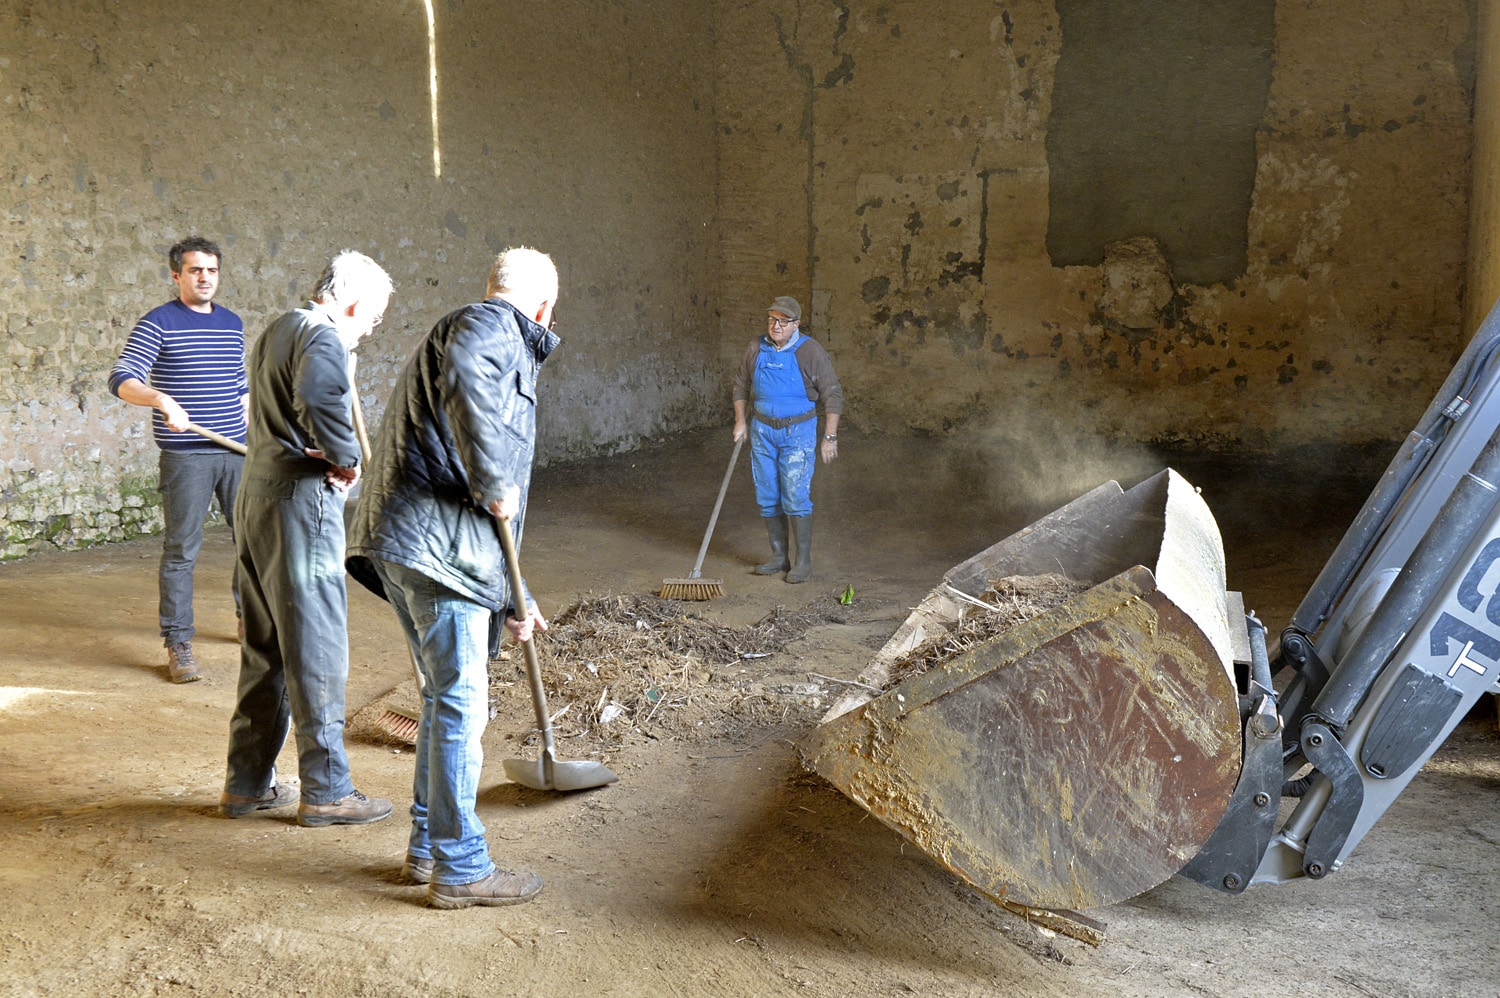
<point x="192" y="244"/>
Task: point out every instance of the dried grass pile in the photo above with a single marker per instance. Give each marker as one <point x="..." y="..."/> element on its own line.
<point x="614" y="664"/>
<point x="1006" y="603"/>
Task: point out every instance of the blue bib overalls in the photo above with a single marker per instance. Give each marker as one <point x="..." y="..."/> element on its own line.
<point x="782" y="460"/>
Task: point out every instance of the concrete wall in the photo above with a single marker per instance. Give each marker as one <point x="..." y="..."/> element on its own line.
<point x="1066" y="219"/>
<point x="287" y="131"/>
<point x="1263" y="244"/>
<point x="1484" y="209"/>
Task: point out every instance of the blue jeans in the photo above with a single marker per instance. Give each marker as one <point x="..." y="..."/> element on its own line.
<point x="449" y="634"/>
<point x="781" y="464"/>
<point x="294" y="662"/>
<point x="189" y="482"/>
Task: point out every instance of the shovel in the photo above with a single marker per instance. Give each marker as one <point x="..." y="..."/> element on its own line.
<point x="549" y="772"/>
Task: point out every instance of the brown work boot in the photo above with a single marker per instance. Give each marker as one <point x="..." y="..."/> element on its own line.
<point x="417" y="870"/>
<point x="182" y="666"/>
<point x="237" y="806"/>
<point x="355" y="809"/>
<point x="500" y="887"/>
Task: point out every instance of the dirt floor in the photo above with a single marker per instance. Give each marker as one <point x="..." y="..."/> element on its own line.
<point x="714" y="867"/>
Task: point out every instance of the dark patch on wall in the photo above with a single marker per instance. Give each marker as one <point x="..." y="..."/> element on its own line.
<point x="842" y="73"/>
<point x="1152" y="133"/>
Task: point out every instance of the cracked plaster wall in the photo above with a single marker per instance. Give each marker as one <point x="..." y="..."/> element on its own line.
<point x="1484" y="208"/>
<point x="888" y="163"/>
<point x="286" y="132"/>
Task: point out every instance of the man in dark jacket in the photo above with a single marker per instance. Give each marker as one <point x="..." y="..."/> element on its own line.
<point x="454" y="452"/>
<point x="304" y="456"/>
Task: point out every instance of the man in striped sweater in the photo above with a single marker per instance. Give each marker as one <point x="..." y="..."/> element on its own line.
<point x="186" y="361"/>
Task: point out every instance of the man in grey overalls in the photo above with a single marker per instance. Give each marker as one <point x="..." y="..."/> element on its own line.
<point x="304" y="457"/>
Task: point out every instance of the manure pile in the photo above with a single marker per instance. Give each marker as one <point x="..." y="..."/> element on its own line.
<point x="1006" y="603"/>
<point x="616" y="664"/>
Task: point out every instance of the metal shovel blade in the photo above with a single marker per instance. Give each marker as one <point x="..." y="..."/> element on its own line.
<point x="554" y="774"/>
<point x="548" y="772"/>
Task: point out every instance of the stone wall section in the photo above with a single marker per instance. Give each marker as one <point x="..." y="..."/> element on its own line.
<point x="886" y="162"/>
<point x="890" y="164"/>
<point x="286" y="132"/>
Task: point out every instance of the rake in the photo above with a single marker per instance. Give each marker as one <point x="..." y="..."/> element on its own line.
<point x="694" y="587"/>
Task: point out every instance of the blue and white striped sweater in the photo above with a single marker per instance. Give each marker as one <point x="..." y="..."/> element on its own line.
<point x="198" y="358"/>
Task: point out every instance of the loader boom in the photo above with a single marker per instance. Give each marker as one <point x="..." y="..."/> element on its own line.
<point x="1392" y="645"/>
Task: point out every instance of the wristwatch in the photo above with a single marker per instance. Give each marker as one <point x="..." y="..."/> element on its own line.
<point x="831" y="436"/>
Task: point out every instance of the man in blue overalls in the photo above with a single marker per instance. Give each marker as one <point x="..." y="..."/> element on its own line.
<point x="777" y="390"/>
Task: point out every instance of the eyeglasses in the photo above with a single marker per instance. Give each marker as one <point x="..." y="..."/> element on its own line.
<point x="378" y="320"/>
<point x="782" y="323"/>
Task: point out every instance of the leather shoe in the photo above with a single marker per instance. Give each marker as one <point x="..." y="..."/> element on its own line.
<point x="500" y="887"/>
<point x="417" y="870"/>
<point x="355" y="809"/>
<point x="182" y="664"/>
<point x="238" y="805"/>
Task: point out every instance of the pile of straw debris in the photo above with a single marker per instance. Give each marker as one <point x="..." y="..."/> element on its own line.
<point x="1006" y="603"/>
<point x="616" y="664"/>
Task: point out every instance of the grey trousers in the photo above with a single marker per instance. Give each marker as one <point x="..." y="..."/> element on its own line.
<point x="189" y="483"/>
<point x="294" y="662"/>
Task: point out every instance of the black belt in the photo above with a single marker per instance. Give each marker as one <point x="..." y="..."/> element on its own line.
<point x="781" y="424"/>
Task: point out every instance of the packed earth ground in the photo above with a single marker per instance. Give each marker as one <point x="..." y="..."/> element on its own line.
<point x="716" y="866"/>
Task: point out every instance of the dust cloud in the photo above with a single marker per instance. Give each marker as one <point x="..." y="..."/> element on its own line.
<point x="1045" y="464"/>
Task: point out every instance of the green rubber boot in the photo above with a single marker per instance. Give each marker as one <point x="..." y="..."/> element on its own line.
<point x="802" y="527"/>
<point x="776" y="528"/>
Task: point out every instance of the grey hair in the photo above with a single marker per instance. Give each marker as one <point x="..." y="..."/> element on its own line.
<point x="351" y="277"/>
<point x="524" y="271"/>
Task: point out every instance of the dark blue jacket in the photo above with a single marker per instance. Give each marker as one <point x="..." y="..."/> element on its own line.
<point x="300" y="397"/>
<point x="458" y="432"/>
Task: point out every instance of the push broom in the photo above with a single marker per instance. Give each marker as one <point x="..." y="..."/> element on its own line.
<point x="694" y="587"/>
<point x="219" y="439"/>
<point x="398" y="721"/>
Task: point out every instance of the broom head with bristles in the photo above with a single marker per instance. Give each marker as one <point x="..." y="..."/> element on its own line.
<point x="692" y="589"/>
<point x="400" y="723"/>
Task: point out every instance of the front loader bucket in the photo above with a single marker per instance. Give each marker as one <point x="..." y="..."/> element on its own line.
<point x="1080" y="757"/>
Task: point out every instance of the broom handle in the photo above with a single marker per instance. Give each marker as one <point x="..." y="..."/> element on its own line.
<point x="218" y="438"/>
<point x="364" y="449"/>
<point x="359" y="413"/>
<point x="703" y="548"/>
<point x="533" y="667"/>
